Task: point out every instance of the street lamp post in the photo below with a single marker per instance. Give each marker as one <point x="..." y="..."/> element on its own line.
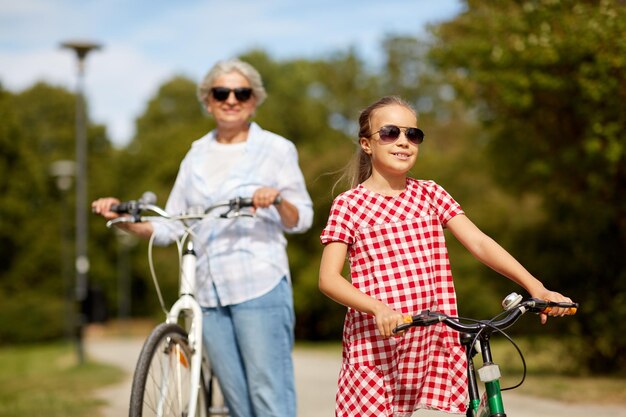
<point x="63" y="172"/>
<point x="81" y="48"/>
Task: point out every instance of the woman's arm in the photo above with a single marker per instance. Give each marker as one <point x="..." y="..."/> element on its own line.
<point x="266" y="196"/>
<point x="490" y="253"/>
<point x="336" y="287"/>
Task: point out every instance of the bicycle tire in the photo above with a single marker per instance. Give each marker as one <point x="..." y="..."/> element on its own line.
<point x="165" y="361"/>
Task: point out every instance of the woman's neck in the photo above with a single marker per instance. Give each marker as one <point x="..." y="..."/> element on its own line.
<point x="232" y="135"/>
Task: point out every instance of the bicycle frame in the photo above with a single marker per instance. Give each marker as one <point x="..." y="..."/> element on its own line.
<point x="187" y="302"/>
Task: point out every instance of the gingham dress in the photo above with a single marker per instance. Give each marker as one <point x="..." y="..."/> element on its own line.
<point x="398" y="255"/>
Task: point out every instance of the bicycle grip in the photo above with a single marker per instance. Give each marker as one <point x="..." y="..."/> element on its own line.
<point x="408" y="322"/>
<point x="571" y="308"/>
<point x="570" y="311"/>
<point x="131" y="206"/>
<point x="123" y="208"/>
<point x="247" y="201"/>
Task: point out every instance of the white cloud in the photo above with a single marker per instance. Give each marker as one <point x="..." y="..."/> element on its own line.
<point x="20" y="70"/>
<point x="123" y="79"/>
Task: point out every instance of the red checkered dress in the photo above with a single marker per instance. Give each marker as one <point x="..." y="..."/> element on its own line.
<point x="398" y="255"/>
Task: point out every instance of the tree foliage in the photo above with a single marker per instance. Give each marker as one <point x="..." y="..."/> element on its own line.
<point x="37" y="130"/>
<point x="321" y="99"/>
<point x="548" y="79"/>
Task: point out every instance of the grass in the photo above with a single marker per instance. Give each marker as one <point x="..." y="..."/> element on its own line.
<point x="47" y="380"/>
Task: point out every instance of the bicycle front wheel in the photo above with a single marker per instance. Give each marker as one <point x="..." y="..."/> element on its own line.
<point x="162" y="381"/>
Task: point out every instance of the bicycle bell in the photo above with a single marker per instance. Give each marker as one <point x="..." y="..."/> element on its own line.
<point x="511" y="301"/>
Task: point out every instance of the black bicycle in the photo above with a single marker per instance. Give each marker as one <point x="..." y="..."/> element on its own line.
<point x="476" y="336"/>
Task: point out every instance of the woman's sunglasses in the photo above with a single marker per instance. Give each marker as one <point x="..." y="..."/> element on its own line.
<point x="391" y="133"/>
<point x="222" y="93"/>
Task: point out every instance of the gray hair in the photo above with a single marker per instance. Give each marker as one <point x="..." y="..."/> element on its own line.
<point x="226" y="67"/>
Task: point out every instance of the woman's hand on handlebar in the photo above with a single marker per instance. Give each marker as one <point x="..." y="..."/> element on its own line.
<point x="102" y="206"/>
<point x="264" y="197"/>
<point x="556" y="297"/>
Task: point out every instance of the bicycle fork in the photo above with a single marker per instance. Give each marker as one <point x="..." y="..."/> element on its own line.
<point x="490" y="405"/>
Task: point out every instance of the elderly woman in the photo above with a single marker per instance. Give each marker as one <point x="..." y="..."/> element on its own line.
<point x="244" y="285"/>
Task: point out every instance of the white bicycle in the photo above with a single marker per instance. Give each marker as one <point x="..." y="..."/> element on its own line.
<point x="173" y="375"/>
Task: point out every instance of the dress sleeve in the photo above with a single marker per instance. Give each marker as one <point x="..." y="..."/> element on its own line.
<point x="445" y="206"/>
<point x="340" y="227"/>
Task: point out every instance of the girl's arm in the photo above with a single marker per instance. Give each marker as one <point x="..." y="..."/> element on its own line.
<point x="336" y="287"/>
<point x="490" y="253"/>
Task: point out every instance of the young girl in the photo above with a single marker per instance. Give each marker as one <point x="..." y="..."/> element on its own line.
<point x="391" y="228"/>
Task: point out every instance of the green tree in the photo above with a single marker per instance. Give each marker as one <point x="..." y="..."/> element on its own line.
<point x="37" y="130"/>
<point x="548" y="81"/>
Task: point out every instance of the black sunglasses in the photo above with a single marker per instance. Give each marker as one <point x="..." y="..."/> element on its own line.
<point x="391" y="133"/>
<point x="222" y="93"/>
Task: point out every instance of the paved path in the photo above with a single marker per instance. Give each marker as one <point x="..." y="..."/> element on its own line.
<point x="316" y="376"/>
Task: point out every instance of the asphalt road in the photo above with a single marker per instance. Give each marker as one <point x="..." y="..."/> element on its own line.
<point x="316" y="377"/>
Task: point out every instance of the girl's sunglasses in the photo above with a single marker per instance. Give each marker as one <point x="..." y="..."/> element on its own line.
<point x="222" y="93"/>
<point x="391" y="133"/>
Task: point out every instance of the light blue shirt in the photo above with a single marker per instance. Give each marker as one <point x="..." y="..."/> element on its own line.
<point x="243" y="258"/>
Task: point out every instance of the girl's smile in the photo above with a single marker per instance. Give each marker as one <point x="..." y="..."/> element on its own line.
<point x="402" y="155"/>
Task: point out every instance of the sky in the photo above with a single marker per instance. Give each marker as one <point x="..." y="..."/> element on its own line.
<point x="147" y="42"/>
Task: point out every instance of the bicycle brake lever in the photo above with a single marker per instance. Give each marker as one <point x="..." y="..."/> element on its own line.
<point x="431" y="317"/>
<point x="125" y="219"/>
<point x="236" y="214"/>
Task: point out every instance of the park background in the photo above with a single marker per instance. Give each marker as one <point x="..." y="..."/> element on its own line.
<point x="523" y="107"/>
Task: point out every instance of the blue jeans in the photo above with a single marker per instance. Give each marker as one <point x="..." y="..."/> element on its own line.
<point x="249" y="346"/>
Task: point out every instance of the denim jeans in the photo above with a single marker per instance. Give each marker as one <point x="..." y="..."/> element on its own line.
<point x="250" y="346"/>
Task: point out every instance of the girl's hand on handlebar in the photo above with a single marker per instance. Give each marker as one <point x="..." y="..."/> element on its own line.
<point x="387" y="319"/>
<point x="264" y="197"/>
<point x="556" y="311"/>
<point x="102" y="206"/>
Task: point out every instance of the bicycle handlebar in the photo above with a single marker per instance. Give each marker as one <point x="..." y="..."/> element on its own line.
<point x="135" y="206"/>
<point x="146" y="203"/>
<point x="535" y="305"/>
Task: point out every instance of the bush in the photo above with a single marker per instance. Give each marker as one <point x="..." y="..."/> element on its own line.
<point x="31" y="317"/>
